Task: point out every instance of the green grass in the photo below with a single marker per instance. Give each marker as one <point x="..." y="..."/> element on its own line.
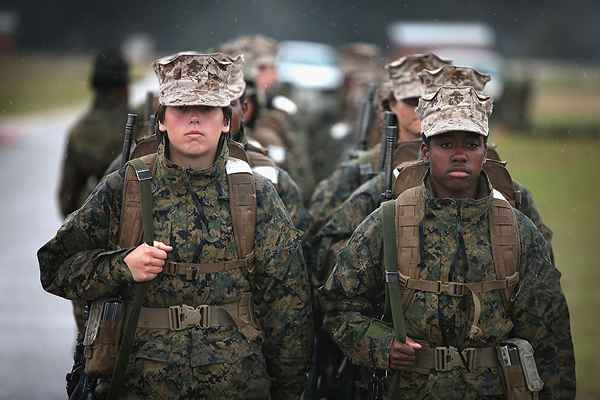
<point x="33" y="83"/>
<point x="563" y="175"/>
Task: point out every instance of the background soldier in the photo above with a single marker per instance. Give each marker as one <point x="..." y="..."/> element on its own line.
<point x="95" y="140"/>
<point x="403" y="74"/>
<point x="246" y="329"/>
<point x="448" y="231"/>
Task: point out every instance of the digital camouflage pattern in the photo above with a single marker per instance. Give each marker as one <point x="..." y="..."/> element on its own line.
<point x="190" y="78"/>
<point x="191" y="213"/>
<point x="451" y="75"/>
<point x="454" y="108"/>
<point x="403" y="73"/>
<point x="455" y="247"/>
<point x="333" y="191"/>
<point x="366" y="199"/>
<point x="258" y="50"/>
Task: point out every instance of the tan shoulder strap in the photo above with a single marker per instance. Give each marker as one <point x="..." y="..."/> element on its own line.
<point x="409" y="174"/>
<point x="506" y="242"/>
<point x="130" y="227"/>
<point x="501" y="180"/>
<point x="242" y="203"/>
<point x="146" y="145"/>
<point x="236" y="150"/>
<point x="256" y="159"/>
<point x="410" y="210"/>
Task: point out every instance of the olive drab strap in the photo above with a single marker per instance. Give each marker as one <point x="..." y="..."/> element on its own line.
<point x="392" y="281"/>
<point x="136" y="203"/>
<point x="506" y="243"/>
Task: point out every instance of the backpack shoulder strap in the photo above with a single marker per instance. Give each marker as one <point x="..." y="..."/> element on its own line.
<point x="409" y="174"/>
<point x="506" y="242"/>
<point x="242" y="203"/>
<point x="137" y="171"/>
<point x="502" y="181"/>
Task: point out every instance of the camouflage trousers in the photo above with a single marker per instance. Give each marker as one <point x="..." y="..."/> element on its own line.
<point x="245" y="378"/>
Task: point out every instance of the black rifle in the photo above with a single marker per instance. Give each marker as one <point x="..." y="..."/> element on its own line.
<point x="79" y="385"/>
<point x="365" y="120"/>
<point x="391" y="135"/>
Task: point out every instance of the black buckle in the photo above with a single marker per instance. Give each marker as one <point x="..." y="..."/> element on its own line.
<point x="143" y="174"/>
<point x="392" y="277"/>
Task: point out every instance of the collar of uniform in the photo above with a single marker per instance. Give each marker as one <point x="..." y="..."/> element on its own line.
<point x="198" y="179"/>
<point x="468" y="210"/>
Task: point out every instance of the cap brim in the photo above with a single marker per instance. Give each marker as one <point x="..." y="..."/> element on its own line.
<point x="453" y="125"/>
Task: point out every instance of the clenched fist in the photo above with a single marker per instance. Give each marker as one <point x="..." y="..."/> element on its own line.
<point x="145" y="262"/>
<point x="403" y="355"/>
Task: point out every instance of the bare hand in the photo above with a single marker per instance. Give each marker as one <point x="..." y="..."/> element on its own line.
<point x="403" y="355"/>
<point x="145" y="262"/>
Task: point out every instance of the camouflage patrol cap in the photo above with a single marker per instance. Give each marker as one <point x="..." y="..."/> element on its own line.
<point x="451" y="75"/>
<point x="258" y="50"/>
<point x="361" y="61"/>
<point x="454" y="108"/>
<point x="190" y="79"/>
<point x="403" y="73"/>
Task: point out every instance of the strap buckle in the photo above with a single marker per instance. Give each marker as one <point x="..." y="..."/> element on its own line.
<point x="143" y="174"/>
<point x="184" y="317"/>
<point x="392" y="276"/>
<point x="442" y="358"/>
<point x="450" y="288"/>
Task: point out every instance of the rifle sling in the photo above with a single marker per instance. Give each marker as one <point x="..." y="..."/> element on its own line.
<point x="392" y="292"/>
<point x="144" y="176"/>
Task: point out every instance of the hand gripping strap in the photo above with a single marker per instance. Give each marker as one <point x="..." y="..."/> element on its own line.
<point x="143" y="196"/>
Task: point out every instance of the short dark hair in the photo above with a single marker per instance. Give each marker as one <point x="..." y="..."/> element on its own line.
<point x="160" y="114"/>
<point x="110" y="70"/>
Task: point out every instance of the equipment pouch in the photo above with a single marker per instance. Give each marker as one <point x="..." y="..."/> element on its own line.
<point x="521" y="378"/>
<point x="102" y="334"/>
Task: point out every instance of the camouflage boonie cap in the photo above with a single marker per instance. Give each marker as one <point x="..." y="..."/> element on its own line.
<point x="361" y="61"/>
<point x="258" y="50"/>
<point x="403" y="73"/>
<point x="454" y="108"/>
<point x="195" y="79"/>
<point x="451" y="75"/>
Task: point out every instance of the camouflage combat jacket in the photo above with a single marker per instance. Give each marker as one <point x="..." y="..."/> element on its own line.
<point x="93" y="143"/>
<point x="333" y="191"/>
<point x="455" y="246"/>
<point x="364" y="201"/>
<point x="191" y="213"/>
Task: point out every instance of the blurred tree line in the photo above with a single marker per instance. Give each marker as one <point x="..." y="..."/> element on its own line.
<point x="542" y="29"/>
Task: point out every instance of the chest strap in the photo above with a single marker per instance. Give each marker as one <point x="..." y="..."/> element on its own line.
<point x="457" y="289"/>
<point x="191" y="271"/>
<point x="447" y="358"/>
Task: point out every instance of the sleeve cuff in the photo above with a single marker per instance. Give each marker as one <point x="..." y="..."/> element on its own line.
<point x="119" y="272"/>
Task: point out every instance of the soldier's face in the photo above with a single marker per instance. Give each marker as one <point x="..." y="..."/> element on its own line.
<point x="408" y="121"/>
<point x="456" y="162"/>
<point x="193" y="131"/>
<point x="236" y="116"/>
<point x="266" y="77"/>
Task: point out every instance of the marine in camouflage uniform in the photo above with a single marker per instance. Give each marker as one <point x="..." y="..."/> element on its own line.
<point x="288" y="190"/>
<point x="192" y="214"/>
<point x="269" y="118"/>
<point x="364" y="200"/>
<point x="95" y="140"/>
<point x="455" y="246"/>
<point x="406" y="90"/>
